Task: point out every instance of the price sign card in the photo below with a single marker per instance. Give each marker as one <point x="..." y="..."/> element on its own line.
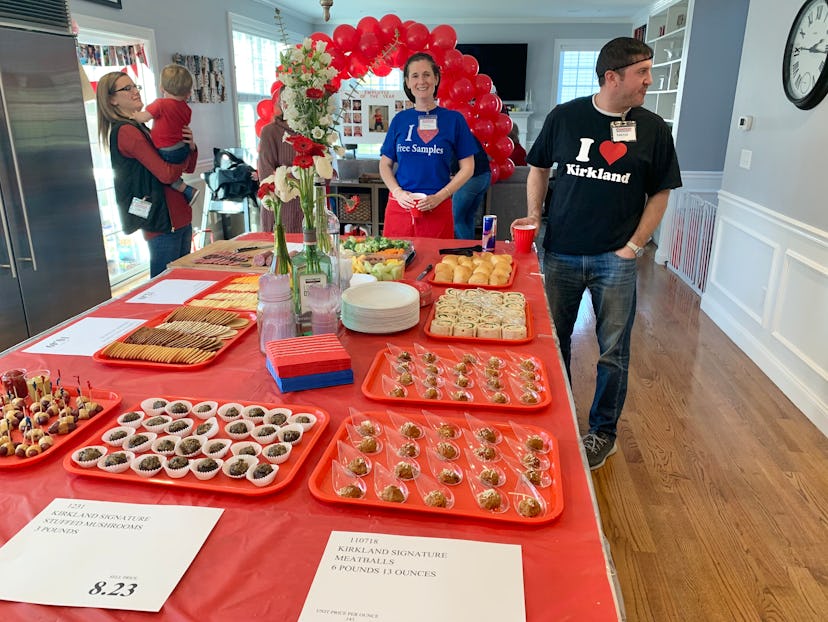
<point x="388" y="578"/>
<point x="85" y="337"/>
<point x="102" y="554"/>
<point x="171" y="291"/>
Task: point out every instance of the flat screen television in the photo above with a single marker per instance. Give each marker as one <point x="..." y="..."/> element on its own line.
<point x="504" y="63"/>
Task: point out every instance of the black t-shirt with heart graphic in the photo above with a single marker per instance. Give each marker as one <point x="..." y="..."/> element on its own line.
<point x="601" y="186"/>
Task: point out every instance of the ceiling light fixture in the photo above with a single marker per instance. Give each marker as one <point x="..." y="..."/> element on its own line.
<point x="326" y="9"/>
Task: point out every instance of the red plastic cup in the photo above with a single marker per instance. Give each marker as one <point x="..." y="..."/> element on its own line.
<point x="524" y="235"/>
<point x="415" y="211"/>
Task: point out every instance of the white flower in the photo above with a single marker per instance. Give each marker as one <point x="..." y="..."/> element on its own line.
<point x="285" y="189"/>
<point x="321" y="46"/>
<point x="324" y="166"/>
<point x="317" y="133"/>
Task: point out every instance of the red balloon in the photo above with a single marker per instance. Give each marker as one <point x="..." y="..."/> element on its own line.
<point x="503" y="148"/>
<point x="494" y="168"/>
<point x="483" y="129"/>
<point x="438" y="55"/>
<point x="503" y="124"/>
<point x="447" y="102"/>
<point x="345" y="37"/>
<point x="416" y="36"/>
<point x="357" y="67"/>
<point x="505" y="169"/>
<point x="321" y="36"/>
<point x="260" y="123"/>
<point x="453" y="61"/>
<point x="336" y="82"/>
<point x="462" y="90"/>
<point x="482" y="84"/>
<point x="368" y="24"/>
<point x="488" y="105"/>
<point x="274" y="88"/>
<point x="339" y="60"/>
<point x="399" y="56"/>
<point x="369" y="46"/>
<point x="265" y="109"/>
<point x="381" y="69"/>
<point x="470" y="65"/>
<point x="444" y="37"/>
<point x="389" y="26"/>
<point x="466" y="111"/>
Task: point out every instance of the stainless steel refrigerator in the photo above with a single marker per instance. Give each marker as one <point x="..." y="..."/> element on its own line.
<point x="52" y="259"/>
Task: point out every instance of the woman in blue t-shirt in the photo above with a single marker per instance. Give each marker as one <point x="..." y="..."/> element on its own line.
<point x="423" y="141"/>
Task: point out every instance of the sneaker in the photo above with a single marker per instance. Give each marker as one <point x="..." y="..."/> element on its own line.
<point x="191" y="194"/>
<point x="598" y="448"/>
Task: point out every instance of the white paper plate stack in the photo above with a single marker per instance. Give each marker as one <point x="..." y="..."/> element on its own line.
<point x="381" y="307"/>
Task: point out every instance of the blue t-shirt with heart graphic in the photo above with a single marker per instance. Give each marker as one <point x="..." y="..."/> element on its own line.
<point x="601" y="186"/>
<point x="424" y="150"/>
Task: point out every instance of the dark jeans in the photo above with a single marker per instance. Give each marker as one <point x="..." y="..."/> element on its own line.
<point x="168" y="247"/>
<point x="466" y="202"/>
<point x="611" y="283"/>
<point x="175" y="155"/>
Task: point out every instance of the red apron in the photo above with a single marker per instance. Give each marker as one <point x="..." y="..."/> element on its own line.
<point x="436" y="223"/>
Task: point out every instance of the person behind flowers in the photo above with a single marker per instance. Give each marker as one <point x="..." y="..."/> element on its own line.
<point x="274" y="152"/>
<point x="422" y="141"/>
<point x="616" y="166"/>
<point x="145" y="199"/>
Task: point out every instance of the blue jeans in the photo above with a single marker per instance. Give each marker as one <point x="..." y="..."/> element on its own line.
<point x="168" y="247"/>
<point x="175" y="155"/>
<point x="466" y="202"/>
<point x="610" y="280"/>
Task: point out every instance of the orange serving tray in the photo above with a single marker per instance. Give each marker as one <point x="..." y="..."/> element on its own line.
<point x="530" y="332"/>
<point x="159" y="319"/>
<point x="372" y="385"/>
<point x="465" y="505"/>
<point x="107" y="399"/>
<point x="506" y="285"/>
<point x="220" y="483"/>
<point x="220" y="287"/>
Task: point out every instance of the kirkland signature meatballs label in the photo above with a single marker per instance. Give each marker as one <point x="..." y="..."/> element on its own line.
<point x="102" y="554"/>
<point x="369" y="577"/>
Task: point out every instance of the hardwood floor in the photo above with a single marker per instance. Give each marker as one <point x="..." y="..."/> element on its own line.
<point x="716" y="504"/>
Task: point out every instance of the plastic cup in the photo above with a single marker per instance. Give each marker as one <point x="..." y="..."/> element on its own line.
<point x="524" y="235"/>
<point x="14" y="383"/>
<point x="39" y="383"/>
<point x="415" y="211"/>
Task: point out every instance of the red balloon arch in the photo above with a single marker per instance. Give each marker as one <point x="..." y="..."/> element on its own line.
<point x="379" y="45"/>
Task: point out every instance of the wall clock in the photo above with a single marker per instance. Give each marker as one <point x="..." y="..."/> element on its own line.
<point x="804" y="71"/>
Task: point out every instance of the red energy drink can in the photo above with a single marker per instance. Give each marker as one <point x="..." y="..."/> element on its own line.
<point x="489" y="233"/>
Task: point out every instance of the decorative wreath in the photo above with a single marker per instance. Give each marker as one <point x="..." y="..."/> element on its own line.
<point x="379" y="45"/>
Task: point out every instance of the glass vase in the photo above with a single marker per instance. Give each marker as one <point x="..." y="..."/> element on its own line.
<point x="281" y="263"/>
<point x="310" y="267"/>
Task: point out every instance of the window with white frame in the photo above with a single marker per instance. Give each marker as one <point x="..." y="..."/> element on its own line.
<point x="255" y="56"/>
<point x="576" y="69"/>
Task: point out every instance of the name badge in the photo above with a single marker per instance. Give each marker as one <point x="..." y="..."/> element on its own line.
<point x="623" y="131"/>
<point x="140" y="207"/>
<point x="427" y="122"/>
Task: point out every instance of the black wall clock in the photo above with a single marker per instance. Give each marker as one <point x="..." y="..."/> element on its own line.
<point x="804" y="71"/>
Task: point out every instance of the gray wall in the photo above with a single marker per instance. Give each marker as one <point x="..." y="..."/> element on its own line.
<point x="195" y="27"/>
<point x="788" y="144"/>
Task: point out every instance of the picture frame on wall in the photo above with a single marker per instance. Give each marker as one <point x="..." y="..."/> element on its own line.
<point x="115" y="4"/>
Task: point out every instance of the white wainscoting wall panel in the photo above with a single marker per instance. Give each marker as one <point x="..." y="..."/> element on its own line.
<point x="768" y="291"/>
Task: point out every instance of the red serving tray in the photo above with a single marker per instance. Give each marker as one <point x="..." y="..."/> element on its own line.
<point x="159" y="319"/>
<point x="530" y="332"/>
<point x="218" y="287"/>
<point x="86" y="427"/>
<point x="220" y="483"/>
<point x="372" y="387"/>
<point x="506" y="285"/>
<point x="465" y="505"/>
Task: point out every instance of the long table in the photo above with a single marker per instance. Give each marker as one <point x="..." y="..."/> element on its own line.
<point x="262" y="555"/>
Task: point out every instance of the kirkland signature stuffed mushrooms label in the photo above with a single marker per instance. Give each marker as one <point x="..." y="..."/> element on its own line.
<point x="104" y="554"/>
<point x="369" y="577"/>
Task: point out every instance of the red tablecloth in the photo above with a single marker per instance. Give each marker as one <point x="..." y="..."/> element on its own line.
<point x="261" y="558"/>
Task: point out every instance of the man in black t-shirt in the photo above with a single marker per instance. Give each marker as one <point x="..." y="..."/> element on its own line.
<point x="615" y="165"/>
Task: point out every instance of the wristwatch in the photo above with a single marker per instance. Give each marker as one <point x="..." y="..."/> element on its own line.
<point x="638" y="250"/>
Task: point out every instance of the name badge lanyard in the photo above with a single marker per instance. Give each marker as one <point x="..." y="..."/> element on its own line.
<point x="623" y="131"/>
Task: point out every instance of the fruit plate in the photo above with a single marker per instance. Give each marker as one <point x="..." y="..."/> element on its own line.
<point x="496" y="390"/>
<point x="287" y="470"/>
<point x="85" y="428"/>
<point x="101" y="356"/>
<point x="511" y="457"/>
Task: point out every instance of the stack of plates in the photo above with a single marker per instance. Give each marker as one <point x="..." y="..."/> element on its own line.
<point x="381" y="307"/>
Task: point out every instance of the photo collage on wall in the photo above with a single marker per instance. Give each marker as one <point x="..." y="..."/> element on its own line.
<point x="366" y="115"/>
<point x="110" y="55"/>
<point x="208" y="78"/>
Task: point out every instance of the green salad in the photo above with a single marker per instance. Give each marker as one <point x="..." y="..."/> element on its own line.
<point x="373" y="244"/>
